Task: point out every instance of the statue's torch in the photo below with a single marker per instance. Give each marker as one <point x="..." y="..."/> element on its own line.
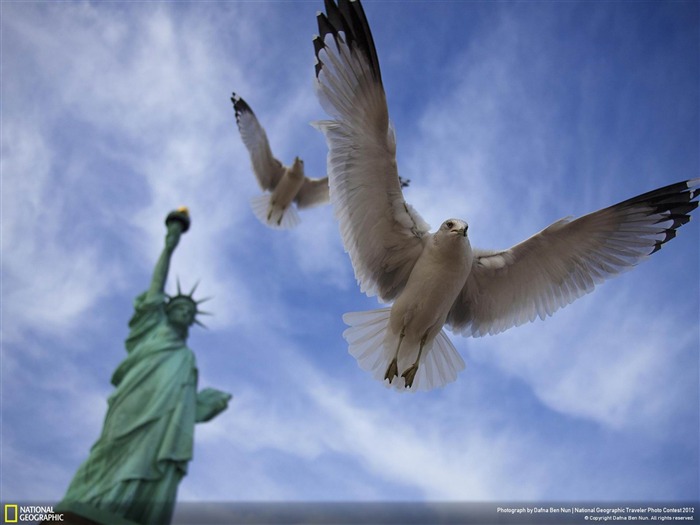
<point x="182" y="216"/>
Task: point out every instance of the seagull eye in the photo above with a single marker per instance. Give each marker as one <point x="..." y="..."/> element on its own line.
<point x="449" y="224"/>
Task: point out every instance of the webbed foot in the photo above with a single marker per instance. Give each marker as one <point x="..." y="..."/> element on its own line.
<point x="410" y="374"/>
<point x="392" y="371"/>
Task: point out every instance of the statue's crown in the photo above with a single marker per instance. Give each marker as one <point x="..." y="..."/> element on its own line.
<point x="189" y="298"/>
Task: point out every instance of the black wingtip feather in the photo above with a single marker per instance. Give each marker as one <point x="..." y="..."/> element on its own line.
<point x="672" y="203"/>
<point x="337" y="20"/>
<point x="361" y="25"/>
<point x="240" y="106"/>
<point x="347" y="17"/>
<point x="318" y="45"/>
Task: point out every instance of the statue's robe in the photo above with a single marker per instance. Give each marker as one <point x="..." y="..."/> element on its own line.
<point x="134" y="468"/>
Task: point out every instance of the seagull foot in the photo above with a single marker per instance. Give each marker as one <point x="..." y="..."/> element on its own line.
<point x="410" y="374"/>
<point x="392" y="371"/>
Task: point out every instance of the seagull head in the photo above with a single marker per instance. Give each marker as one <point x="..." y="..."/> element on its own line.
<point x="451" y="237"/>
<point x="455" y="227"/>
<point x="298" y="166"/>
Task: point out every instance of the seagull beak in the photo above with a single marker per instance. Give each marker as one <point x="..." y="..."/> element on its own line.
<point x="461" y="231"/>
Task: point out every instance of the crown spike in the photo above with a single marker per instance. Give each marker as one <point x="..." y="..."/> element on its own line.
<point x="200" y="323"/>
<point x="189" y="297"/>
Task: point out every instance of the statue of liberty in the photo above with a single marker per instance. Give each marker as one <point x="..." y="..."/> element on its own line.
<point x="134" y="468"/>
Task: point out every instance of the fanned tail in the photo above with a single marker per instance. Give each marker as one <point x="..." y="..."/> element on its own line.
<point x="373" y="346"/>
<point x="279" y="219"/>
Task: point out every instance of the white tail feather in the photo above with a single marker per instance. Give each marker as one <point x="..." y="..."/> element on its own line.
<point x="279" y="219"/>
<point x="374" y="347"/>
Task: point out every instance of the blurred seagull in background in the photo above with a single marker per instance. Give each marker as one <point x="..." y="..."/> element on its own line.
<point x="284" y="186"/>
<point x="438" y="279"/>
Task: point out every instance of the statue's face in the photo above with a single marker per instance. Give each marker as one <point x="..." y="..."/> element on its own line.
<point x="182" y="313"/>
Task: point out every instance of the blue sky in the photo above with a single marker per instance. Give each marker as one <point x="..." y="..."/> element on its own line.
<point x="510" y="115"/>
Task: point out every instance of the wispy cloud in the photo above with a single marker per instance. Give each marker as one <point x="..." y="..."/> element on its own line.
<point x="323" y="418"/>
<point x="624" y="366"/>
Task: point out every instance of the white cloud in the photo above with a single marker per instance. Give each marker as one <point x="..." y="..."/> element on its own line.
<point x="326" y="419"/>
<point x="472" y="466"/>
<point x="609" y="358"/>
<point x="46" y="281"/>
<point x="165" y="96"/>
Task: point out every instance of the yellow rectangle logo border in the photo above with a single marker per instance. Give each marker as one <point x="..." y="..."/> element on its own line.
<point x="7" y="518"/>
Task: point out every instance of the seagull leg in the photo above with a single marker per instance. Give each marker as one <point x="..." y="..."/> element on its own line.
<point x="393" y="370"/>
<point x="410" y="374"/>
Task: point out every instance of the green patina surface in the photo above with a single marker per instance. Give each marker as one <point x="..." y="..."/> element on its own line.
<point x="134" y="468"/>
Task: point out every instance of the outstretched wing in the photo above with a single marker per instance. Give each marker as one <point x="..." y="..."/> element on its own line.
<point x="268" y="170"/>
<point x="383" y="235"/>
<point x="312" y="193"/>
<point x="567" y="259"/>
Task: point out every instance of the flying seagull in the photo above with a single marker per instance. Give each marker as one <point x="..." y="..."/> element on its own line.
<point x="275" y="208"/>
<point x="284" y="186"/>
<point x="438" y="279"/>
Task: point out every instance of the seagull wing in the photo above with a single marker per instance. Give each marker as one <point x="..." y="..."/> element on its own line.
<point x="383" y="235"/>
<point x="567" y="260"/>
<point x="268" y="170"/>
<point x="312" y="193"/>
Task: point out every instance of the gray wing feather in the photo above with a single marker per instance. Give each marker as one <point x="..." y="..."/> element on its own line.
<point x="313" y="193"/>
<point x="567" y="260"/>
<point x="383" y="235"/>
<point x="268" y="170"/>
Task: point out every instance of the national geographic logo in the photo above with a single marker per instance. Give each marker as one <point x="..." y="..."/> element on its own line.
<point x="14" y="513"/>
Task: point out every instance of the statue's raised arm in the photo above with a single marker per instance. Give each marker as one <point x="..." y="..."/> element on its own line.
<point x="177" y="222"/>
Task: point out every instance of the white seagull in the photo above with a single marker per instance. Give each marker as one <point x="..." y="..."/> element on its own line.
<point x="284" y="186"/>
<point x="438" y="279"/>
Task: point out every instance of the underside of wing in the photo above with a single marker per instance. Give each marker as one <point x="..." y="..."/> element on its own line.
<point x="313" y="193"/>
<point x="567" y="260"/>
<point x="383" y="235"/>
<point x="268" y="170"/>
